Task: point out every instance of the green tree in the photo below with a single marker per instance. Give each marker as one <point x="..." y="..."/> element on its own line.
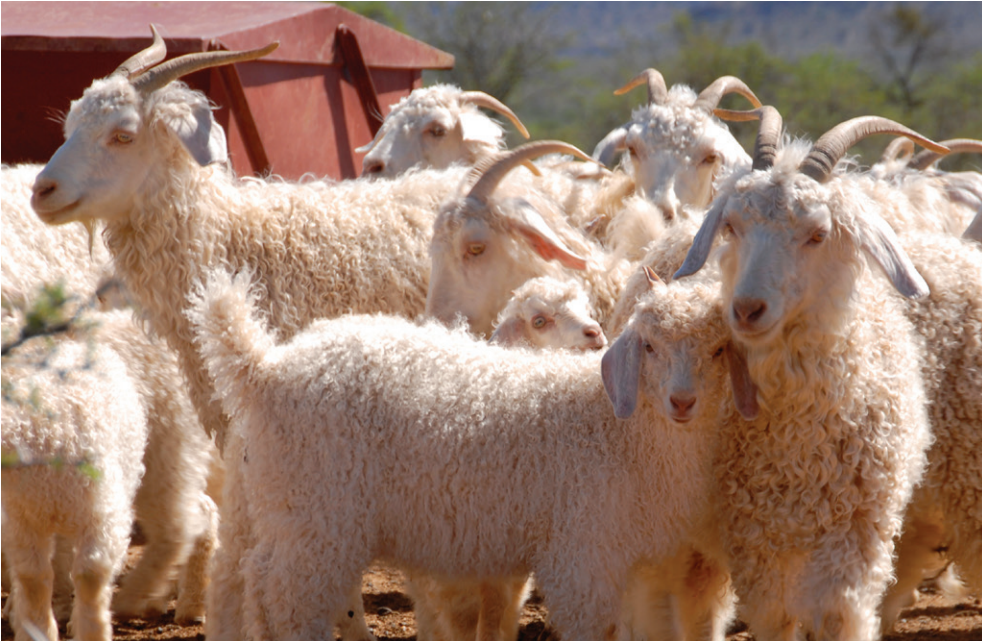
<point x="908" y="44"/>
<point x="497" y="45"/>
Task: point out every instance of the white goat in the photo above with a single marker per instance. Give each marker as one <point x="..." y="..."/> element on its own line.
<point x="497" y="234"/>
<point x="548" y="313"/>
<point x="440" y="126"/>
<point x="678" y="152"/>
<point x="543" y="313"/>
<point x="813" y="487"/>
<point x="144" y="154"/>
<point x="171" y="506"/>
<point x="946" y="510"/>
<point x="519" y="464"/>
<point x="961" y="191"/>
<point x="51" y="423"/>
<point x="175" y="513"/>
<point x="679" y="330"/>
<point x="436" y="127"/>
<point x="912" y="199"/>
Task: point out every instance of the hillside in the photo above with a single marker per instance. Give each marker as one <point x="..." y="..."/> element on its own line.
<point x="789" y="29"/>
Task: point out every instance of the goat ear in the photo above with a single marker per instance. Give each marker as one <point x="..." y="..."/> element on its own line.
<point x="201" y="135"/>
<point x="880" y="242"/>
<point x="529" y="224"/>
<point x="703" y="241"/>
<point x="511" y="332"/>
<point x="608" y="148"/>
<point x="620" y="369"/>
<point x="478" y="128"/>
<point x="744" y="389"/>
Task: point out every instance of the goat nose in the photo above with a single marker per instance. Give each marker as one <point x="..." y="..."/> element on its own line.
<point x="592" y="331"/>
<point x="374" y="166"/>
<point x="43" y="188"/>
<point x="748" y="310"/>
<point x="682" y="403"/>
<point x="667" y="208"/>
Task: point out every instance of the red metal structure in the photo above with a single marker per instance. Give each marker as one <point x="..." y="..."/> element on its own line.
<point x="301" y="110"/>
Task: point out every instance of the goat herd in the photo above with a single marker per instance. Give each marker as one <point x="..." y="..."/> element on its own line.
<point x="786" y="426"/>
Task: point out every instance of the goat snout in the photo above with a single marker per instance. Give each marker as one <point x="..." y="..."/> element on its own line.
<point x="373" y="167"/>
<point x="596" y="337"/>
<point x="747" y="311"/>
<point x="682" y="403"/>
<point x="43" y="189"/>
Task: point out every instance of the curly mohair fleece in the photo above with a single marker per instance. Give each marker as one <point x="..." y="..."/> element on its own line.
<point x="34" y="254"/>
<point x="371" y="437"/>
<point x="318" y="248"/>
<point x="177" y="517"/>
<point x="48" y="413"/>
<point x="491" y="282"/>
<point x="946" y="510"/>
<point x="171" y="507"/>
<point x="813" y="490"/>
<point x="686" y="595"/>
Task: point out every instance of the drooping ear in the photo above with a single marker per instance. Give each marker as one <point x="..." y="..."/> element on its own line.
<point x="612" y="144"/>
<point x="880" y="242"/>
<point x="532" y="228"/>
<point x="744" y="389"/>
<point x="475" y="127"/>
<point x="201" y="135"/>
<point x="511" y="332"/>
<point x="620" y="369"/>
<point x="703" y="241"/>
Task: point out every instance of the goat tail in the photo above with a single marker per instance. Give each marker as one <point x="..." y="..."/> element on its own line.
<point x="232" y="337"/>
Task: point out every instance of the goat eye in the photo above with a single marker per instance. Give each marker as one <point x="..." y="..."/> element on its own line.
<point x="538" y="321"/>
<point x="817" y="237"/>
<point x="710" y="159"/>
<point x="728" y="230"/>
<point x="438" y="131"/>
<point x="475" y="249"/>
<point x="719" y="352"/>
<point x="648" y="347"/>
<point x="122" y="138"/>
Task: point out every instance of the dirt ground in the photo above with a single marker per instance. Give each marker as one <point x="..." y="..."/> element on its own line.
<point x="390" y="616"/>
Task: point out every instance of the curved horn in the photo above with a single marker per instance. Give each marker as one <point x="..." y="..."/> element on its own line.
<point x="711" y="95"/>
<point x="173" y="69"/>
<point x="833" y="145"/>
<point x="140" y="62"/>
<point x="925" y="158"/>
<point x="487" y="101"/>
<point x="768" y="135"/>
<point x="657" y="91"/>
<point x="606" y="150"/>
<point x="509" y="160"/>
<point x="898" y="147"/>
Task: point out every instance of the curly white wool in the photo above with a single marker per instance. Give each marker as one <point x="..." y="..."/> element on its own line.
<point x="519" y="465"/>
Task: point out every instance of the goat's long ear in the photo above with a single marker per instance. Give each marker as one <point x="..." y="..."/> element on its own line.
<point x="607" y="149"/>
<point x="744" y="389"/>
<point x="512" y="332"/>
<point x="703" y="241"/>
<point x="880" y="242"/>
<point x="200" y="134"/>
<point x="532" y="228"/>
<point x="620" y="369"/>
